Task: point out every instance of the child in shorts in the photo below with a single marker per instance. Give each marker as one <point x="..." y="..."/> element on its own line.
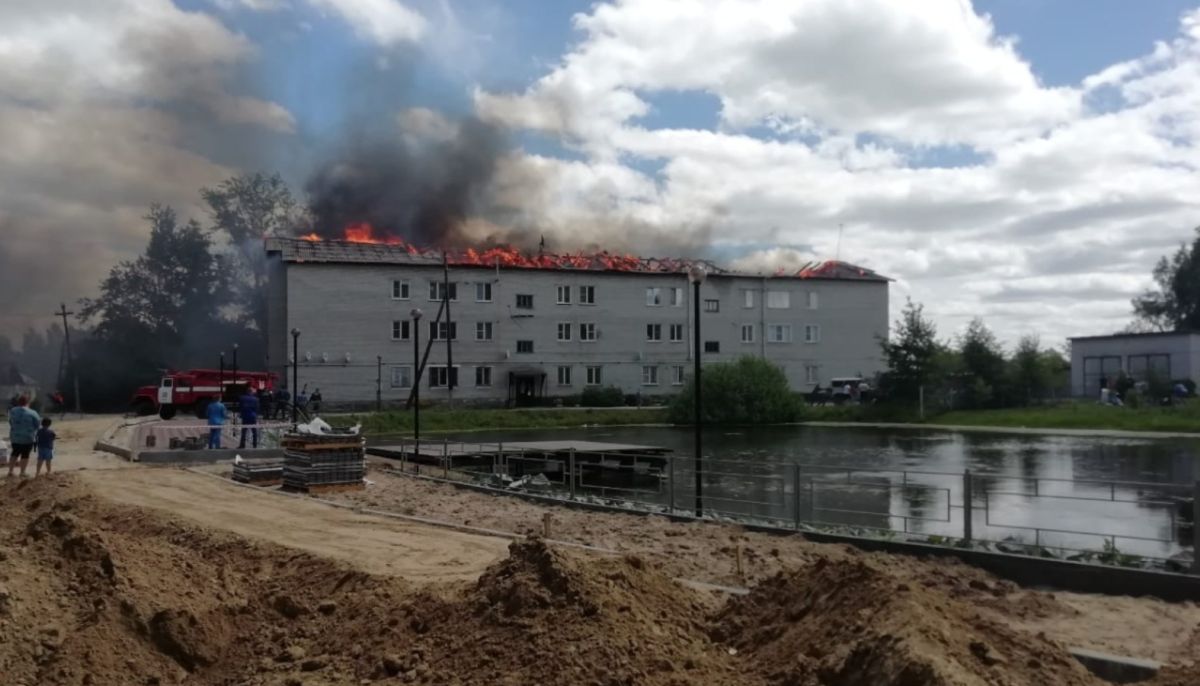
<point x="45" y="446"/>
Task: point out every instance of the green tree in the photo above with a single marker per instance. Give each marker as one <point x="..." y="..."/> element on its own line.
<point x="1174" y="305"/>
<point x="749" y="390"/>
<point x="1031" y="370"/>
<point x="983" y="366"/>
<point x="911" y="353"/>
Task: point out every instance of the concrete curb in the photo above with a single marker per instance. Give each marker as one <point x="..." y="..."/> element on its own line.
<point x="1014" y="430"/>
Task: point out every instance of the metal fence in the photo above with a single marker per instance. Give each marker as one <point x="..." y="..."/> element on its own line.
<point x="151" y="436"/>
<point x="1111" y="520"/>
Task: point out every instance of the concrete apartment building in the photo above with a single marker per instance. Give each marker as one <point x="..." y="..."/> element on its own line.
<point x="1168" y="356"/>
<point x="521" y="333"/>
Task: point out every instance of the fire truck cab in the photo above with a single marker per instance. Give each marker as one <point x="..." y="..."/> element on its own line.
<point x="193" y="389"/>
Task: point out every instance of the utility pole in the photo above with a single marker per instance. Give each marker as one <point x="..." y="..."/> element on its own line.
<point x="449" y="331"/>
<point x="62" y="312"/>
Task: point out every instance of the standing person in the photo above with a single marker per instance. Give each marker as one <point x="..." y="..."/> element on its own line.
<point x="45" y="446"/>
<point x="302" y="398"/>
<point x="23" y="426"/>
<point x="315" y="401"/>
<point x="216" y="420"/>
<point x="281" y="402"/>
<point x="248" y="411"/>
<point x="264" y="404"/>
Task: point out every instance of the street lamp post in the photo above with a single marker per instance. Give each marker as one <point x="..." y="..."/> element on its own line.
<point x="235" y="365"/>
<point x="295" y="374"/>
<point x="221" y="379"/>
<point x="416" y="336"/>
<point x="696" y="275"/>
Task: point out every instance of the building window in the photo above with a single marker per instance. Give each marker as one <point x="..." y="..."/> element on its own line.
<point x="401" y="330"/>
<point x="524" y="302"/>
<point x="712" y="305"/>
<point x="653" y="297"/>
<point x="676" y="297"/>
<point x="401" y="377"/>
<point x="438" y="376"/>
<point x="712" y="346"/>
<point x="440" y="331"/>
<point x="747" y="333"/>
<point x="399" y="289"/>
<point x="649" y="375"/>
<point x="779" y="333"/>
<point x="483" y="376"/>
<point x="587" y="295"/>
<point x="812" y="300"/>
<point x="564" y="376"/>
<point x="483" y="331"/>
<point x="747" y="298"/>
<point x="564" y="331"/>
<point x="437" y="290"/>
<point x="677" y="375"/>
<point x="778" y="300"/>
<point x="676" y="333"/>
<point x="812" y="373"/>
<point x="525" y="347"/>
<point x="654" y="332"/>
<point x="587" y="332"/>
<point x="483" y="292"/>
<point x="564" y="295"/>
<point x="812" y="333"/>
<point x="593" y="376"/>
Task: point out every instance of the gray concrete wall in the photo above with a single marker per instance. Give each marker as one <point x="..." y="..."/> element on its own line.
<point x="1183" y="349"/>
<point x="345" y="313"/>
<point x="277" y="327"/>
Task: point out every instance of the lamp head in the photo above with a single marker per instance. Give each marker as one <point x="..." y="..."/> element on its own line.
<point x="697" y="274"/>
<point x="295" y="333"/>
<point x="416" y="313"/>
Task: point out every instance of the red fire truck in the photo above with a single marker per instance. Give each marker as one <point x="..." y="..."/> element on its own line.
<point x="192" y="390"/>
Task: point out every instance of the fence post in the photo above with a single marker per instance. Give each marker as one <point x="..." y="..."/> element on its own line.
<point x="1196" y="528"/>
<point x="670" y="484"/>
<point x="571" y="471"/>
<point x="921" y="401"/>
<point x="968" y="511"/>
<point x="796" y="494"/>
<point x="446" y="457"/>
<point x="500" y="458"/>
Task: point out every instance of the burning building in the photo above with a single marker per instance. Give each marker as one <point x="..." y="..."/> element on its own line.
<point x="528" y="326"/>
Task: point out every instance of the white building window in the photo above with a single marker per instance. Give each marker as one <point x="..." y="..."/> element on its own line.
<point x="483" y="376"/>
<point x="587" y="295"/>
<point x="676" y="331"/>
<point x="747" y="298"/>
<point x="654" y="333"/>
<point x="778" y="300"/>
<point x="399" y="289"/>
<point x="712" y="305"/>
<point x="677" y="375"/>
<point x="812" y="373"/>
<point x="564" y="376"/>
<point x="649" y="375"/>
<point x="483" y="292"/>
<point x="524" y="301"/>
<point x="564" y="295"/>
<point x="812" y="300"/>
<point x="401" y="377"/>
<point x="587" y="332"/>
<point x="712" y="346"/>
<point x="525" y="347"/>
<point x="401" y="330"/>
<point x="593" y="376"/>
<point x="812" y="333"/>
<point x="653" y="297"/>
<point x="483" y="331"/>
<point x="440" y="331"/>
<point x="437" y="290"/>
<point x="676" y="297"/>
<point x="564" y="331"/>
<point x="779" y="333"/>
<point x="438" y="376"/>
<point x="747" y="333"/>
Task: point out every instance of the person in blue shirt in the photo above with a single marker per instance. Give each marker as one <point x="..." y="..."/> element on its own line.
<point x="216" y="420"/>
<point x="45" y="446"/>
<point x="23" y="426"/>
<point x="248" y="410"/>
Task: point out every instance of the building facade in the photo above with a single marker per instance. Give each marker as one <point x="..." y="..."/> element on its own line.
<point x="1165" y="356"/>
<point x="521" y="333"/>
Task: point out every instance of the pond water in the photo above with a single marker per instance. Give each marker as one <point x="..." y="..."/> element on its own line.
<point x="1055" y="491"/>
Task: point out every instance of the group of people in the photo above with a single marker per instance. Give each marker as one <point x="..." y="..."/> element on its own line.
<point x="28" y="432"/>
<point x="252" y="406"/>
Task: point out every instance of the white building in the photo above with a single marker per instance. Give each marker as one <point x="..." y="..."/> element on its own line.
<point x="1166" y="356"/>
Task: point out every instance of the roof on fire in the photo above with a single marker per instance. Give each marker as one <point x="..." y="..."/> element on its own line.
<point x="301" y="250"/>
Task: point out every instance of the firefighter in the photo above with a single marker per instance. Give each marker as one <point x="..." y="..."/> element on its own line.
<point x="248" y="411"/>
<point x="216" y="422"/>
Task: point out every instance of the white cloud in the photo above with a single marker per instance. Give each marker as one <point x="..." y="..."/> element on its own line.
<point x="386" y="22"/>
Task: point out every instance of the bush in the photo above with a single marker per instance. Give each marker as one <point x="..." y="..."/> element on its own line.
<point x="608" y="396"/>
<point x="750" y="390"/>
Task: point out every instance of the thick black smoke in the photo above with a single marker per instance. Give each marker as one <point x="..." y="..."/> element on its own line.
<point x="420" y="191"/>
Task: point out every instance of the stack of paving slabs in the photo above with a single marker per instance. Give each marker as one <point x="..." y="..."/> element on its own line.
<point x="316" y="463"/>
<point x="267" y="473"/>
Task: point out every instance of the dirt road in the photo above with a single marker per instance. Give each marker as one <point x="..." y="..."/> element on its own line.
<point x="374" y="544"/>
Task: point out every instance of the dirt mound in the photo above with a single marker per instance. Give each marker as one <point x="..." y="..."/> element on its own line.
<point x="851" y="623"/>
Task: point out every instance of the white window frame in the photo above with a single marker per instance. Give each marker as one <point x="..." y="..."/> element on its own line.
<point x="486" y="372"/>
<point x="400" y="289"/>
<point x="483" y="291"/>
<point x="405" y="329"/>
<point x="404" y="372"/>
<point x="814" y="300"/>
<point x="484" y="331"/>
<point x="437" y="287"/>
<point x="812" y="333"/>
<point x="678" y="374"/>
<point x="649" y="375"/>
<point x="712" y="352"/>
<point x="674" y="329"/>
<point x="564" y="332"/>
<point x="587" y="295"/>
<point x="517" y="301"/>
<point x="436" y="369"/>
<point x="654" y="333"/>
<point x="812" y="374"/>
<point x="748" y="328"/>
<point x="525" y="352"/>
<point x="563" y="295"/>
<point x="676" y="296"/>
<point x="785" y="331"/>
<point x="779" y="300"/>
<point x="654" y="296"/>
<point x="564" y="375"/>
<point x="748" y="298"/>
<point x="594" y="375"/>
<point x="438" y="331"/>
<point x="584" y="329"/>
<point x="715" y="304"/>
